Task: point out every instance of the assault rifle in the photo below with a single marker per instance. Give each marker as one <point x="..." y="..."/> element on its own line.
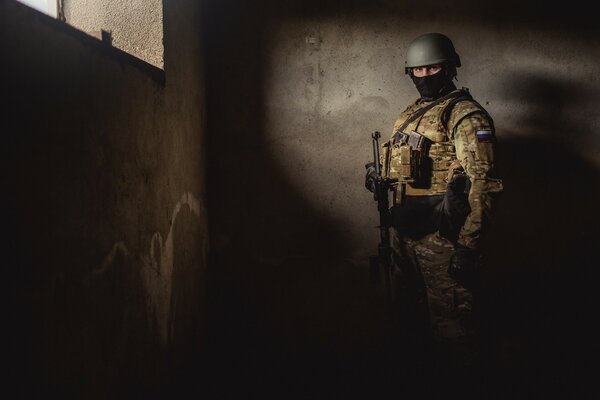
<point x="381" y="194"/>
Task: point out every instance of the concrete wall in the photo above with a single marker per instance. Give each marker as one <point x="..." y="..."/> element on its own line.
<point x="104" y="197"/>
<point x="295" y="91"/>
<point x="136" y="26"/>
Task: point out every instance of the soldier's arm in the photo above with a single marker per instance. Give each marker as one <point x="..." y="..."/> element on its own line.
<point x="474" y="138"/>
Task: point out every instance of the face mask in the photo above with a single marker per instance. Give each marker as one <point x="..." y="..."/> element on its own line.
<point x="433" y="86"/>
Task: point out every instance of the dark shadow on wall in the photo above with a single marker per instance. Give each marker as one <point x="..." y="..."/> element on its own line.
<point x="541" y="296"/>
<point x="285" y="298"/>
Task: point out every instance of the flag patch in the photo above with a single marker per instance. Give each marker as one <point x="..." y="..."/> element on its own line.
<point x="485" y="136"/>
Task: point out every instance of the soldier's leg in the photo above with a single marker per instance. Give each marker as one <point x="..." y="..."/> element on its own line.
<point x="409" y="296"/>
<point x="449" y="303"/>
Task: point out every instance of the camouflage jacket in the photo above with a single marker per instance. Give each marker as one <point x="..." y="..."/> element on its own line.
<point x="463" y="141"/>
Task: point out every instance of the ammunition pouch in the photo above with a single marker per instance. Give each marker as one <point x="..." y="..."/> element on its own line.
<point x="408" y="159"/>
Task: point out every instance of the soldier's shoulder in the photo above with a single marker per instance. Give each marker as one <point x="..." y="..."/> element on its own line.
<point x="467" y="105"/>
<point x="464" y="108"/>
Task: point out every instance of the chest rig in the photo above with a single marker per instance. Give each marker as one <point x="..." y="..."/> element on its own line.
<point x="420" y="154"/>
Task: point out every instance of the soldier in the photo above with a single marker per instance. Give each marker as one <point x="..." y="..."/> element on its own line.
<point x="439" y="162"/>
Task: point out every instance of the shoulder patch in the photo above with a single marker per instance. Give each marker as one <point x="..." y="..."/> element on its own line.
<point x="485" y="136"/>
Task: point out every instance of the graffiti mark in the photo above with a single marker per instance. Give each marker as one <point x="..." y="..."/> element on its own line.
<point x="157" y="268"/>
<point x="118" y="248"/>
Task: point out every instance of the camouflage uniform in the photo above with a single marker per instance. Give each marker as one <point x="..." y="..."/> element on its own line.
<point x="461" y="144"/>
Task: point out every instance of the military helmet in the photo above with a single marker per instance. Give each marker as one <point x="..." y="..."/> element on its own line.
<point x="431" y="48"/>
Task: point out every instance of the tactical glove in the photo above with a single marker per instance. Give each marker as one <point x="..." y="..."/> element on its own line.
<point x="371" y="177"/>
<point x="464" y="266"/>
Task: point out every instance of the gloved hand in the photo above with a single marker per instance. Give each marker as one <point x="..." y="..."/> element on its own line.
<point x="371" y="177"/>
<point x="464" y="266"/>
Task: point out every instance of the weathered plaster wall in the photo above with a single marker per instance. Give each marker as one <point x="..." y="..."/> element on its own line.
<point x="103" y="181"/>
<point x="296" y="90"/>
<point x="136" y="25"/>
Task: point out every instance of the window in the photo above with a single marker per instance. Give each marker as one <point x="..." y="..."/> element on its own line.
<point x="134" y="26"/>
<point x="49" y="7"/>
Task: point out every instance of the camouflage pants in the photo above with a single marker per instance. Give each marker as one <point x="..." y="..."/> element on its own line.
<point x="420" y="281"/>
